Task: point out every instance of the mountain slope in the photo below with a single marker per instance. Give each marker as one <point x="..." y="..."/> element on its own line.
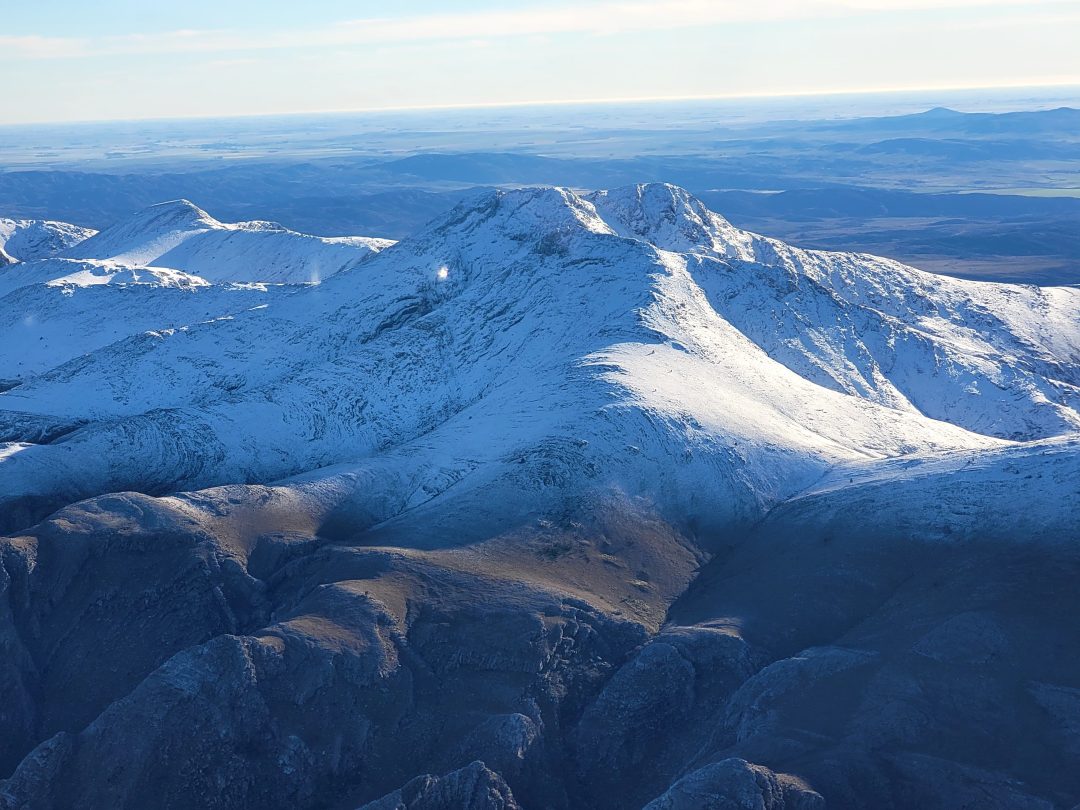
<point x="875" y="328"/>
<point x="180" y="235"/>
<point x="30" y="239"/>
<point x="62" y="307"/>
<point x="97" y="303"/>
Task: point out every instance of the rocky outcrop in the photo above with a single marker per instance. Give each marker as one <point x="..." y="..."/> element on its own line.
<point x="651" y="715"/>
<point x="735" y="784"/>
<point x="473" y="787"/>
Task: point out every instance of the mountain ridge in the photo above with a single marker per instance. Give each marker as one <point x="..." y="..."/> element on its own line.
<point x="180" y="235"/>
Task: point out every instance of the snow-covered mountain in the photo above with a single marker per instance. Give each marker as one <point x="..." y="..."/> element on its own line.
<point x="643" y="325"/>
<point x="602" y="471"/>
<point x="60" y="307"/>
<point x="97" y="303"/>
<point x="30" y="239"/>
<point x="182" y="236"/>
<point x="994" y="358"/>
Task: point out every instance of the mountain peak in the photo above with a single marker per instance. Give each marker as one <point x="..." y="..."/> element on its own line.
<point x="146" y="234"/>
<point x="670" y="218"/>
<point x="177" y="212"/>
<point x="537" y="211"/>
<point x="942" y="112"/>
<point x="552" y="208"/>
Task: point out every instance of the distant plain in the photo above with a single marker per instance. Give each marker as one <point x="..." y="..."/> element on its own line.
<point x="975" y="185"/>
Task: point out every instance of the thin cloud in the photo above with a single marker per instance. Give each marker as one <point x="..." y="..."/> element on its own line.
<point x="35" y="47"/>
<point x="602" y="18"/>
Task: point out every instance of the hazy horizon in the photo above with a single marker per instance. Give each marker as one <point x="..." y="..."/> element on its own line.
<point x="204" y="60"/>
<point x="988" y="98"/>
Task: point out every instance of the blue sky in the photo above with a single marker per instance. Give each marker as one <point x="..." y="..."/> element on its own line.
<point x="72" y="60"/>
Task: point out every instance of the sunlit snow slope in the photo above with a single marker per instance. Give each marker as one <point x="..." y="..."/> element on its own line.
<point x="30" y="239"/>
<point x="74" y="291"/>
<point x="182" y="236"/>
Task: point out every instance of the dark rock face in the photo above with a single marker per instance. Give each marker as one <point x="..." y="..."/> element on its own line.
<point x="149" y="662"/>
<point x="473" y="787"/>
<point x="184" y="679"/>
<point x="735" y="784"/>
<point x="95" y="602"/>
<point x="652" y="714"/>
